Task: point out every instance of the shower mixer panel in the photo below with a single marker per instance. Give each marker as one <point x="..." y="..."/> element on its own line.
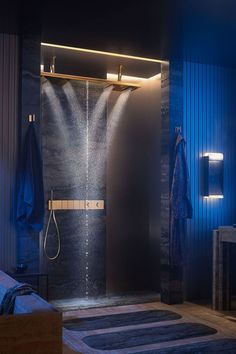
<point x="75" y="204"/>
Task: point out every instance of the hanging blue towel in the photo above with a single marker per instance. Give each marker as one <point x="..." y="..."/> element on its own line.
<point x="8" y="301"/>
<point x="180" y="202"/>
<point x="30" y="204"/>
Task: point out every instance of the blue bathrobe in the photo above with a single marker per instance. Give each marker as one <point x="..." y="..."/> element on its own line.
<point x="180" y="202"/>
<point x="30" y="203"/>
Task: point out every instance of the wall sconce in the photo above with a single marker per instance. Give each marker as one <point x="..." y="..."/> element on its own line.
<point x="213" y="168"/>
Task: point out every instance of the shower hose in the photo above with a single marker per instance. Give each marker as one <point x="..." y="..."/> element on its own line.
<point x="52" y="217"/>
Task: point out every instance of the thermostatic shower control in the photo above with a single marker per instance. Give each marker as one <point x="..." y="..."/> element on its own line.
<point x="75" y="204"/>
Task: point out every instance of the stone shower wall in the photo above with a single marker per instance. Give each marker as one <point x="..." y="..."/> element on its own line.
<point x="172" y="290"/>
<point x="74" y="160"/>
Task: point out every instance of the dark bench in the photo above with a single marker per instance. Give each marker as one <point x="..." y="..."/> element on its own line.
<point x="34" y="328"/>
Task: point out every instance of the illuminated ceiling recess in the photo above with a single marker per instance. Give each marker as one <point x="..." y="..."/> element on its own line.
<point x="122" y="71"/>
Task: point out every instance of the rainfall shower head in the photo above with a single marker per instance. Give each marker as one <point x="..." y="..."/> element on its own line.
<point x="116" y="85"/>
<point x="98" y="67"/>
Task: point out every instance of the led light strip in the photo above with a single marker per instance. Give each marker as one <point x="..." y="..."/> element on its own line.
<point x="136" y="79"/>
<point x="214" y="196"/>
<point x="113" y="77"/>
<point x="102" y="53"/>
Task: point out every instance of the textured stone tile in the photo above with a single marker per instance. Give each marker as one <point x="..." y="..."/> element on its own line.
<point x="171" y="116"/>
<point x="75" y="171"/>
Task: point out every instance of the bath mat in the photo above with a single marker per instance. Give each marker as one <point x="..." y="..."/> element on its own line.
<point x="121" y="319"/>
<point x="227" y="346"/>
<point x="135" y="337"/>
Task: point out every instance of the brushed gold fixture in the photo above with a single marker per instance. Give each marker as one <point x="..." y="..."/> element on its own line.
<point x="117" y="85"/>
<point x="120" y="72"/>
<point x="75" y="204"/>
<point x="31" y="118"/>
<point x="119" y="81"/>
<point x="133" y="79"/>
<point x="127" y="78"/>
<point x="53" y="64"/>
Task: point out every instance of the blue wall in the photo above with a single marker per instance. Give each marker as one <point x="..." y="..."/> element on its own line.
<point x="209" y="125"/>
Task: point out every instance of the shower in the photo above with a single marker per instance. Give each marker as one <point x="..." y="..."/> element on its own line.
<point x="84" y="117"/>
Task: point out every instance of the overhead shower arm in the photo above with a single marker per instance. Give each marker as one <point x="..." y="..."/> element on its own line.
<point x="117" y="85"/>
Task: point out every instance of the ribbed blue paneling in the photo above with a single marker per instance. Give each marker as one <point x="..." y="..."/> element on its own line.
<point x="208" y="126"/>
<point x="8" y="146"/>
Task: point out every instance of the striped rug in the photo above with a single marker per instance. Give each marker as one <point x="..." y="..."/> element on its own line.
<point x="87" y="331"/>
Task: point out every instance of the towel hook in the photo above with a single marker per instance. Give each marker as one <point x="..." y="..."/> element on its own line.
<point x="178" y="130"/>
<point x="31" y="118"/>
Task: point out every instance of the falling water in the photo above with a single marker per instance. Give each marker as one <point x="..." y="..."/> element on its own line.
<point x="115" y="116"/>
<point x="61" y="132"/>
<point x="84" y="141"/>
<point x="57" y="112"/>
<point x="86" y="195"/>
<point x="98" y="134"/>
<point x="76" y="110"/>
<point x="99" y="155"/>
<point x="92" y="132"/>
<point x="99" y="109"/>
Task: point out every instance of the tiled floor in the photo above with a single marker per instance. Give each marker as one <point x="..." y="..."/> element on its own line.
<point x="190" y="312"/>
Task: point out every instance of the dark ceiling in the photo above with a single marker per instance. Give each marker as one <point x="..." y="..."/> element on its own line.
<point x="133" y="27"/>
<point x="156" y="28"/>
<point x="127" y="27"/>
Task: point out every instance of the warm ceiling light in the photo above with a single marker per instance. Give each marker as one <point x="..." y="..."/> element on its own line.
<point x="155" y="77"/>
<point x="113" y="77"/>
<point x="136" y="79"/>
<point x="102" y="53"/>
<point x="216" y="156"/>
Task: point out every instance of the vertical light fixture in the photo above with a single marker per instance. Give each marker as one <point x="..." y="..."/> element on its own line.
<point x="213" y="170"/>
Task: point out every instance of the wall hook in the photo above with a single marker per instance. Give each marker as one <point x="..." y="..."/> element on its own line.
<point x="31" y="118"/>
<point x="178" y="130"/>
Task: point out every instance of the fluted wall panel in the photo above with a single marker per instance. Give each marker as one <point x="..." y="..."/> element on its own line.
<point x="8" y="146"/>
<point x="209" y="125"/>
